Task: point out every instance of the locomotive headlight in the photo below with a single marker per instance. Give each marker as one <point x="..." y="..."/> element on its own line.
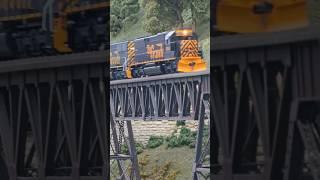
<point x="184" y="32"/>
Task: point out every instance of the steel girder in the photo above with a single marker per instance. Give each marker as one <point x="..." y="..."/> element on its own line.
<point x="265" y="106"/>
<point x="182" y="96"/>
<point x="166" y="97"/>
<point x="54" y="118"/>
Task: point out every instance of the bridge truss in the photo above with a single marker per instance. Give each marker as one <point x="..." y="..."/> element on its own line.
<point x="54" y="118"/>
<point x="168" y="97"/>
<point x="266" y="113"/>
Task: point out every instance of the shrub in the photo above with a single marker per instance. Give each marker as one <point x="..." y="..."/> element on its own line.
<point x="125" y="149"/>
<point x="185" y="131"/>
<point x="139" y="147"/>
<point x="185" y="138"/>
<point x="173" y="141"/>
<point x="155" y="141"/>
<point x="180" y="123"/>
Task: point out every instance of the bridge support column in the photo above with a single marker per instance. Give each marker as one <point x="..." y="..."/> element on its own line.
<point x="201" y="162"/>
<point x="120" y="169"/>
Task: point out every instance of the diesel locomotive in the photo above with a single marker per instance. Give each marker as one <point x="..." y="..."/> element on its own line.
<point x="163" y="53"/>
<point x="31" y="28"/>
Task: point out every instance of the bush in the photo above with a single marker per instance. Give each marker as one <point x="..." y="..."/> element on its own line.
<point x="185" y="138"/>
<point x="139" y="147"/>
<point x="173" y="141"/>
<point x="180" y="123"/>
<point x="155" y="141"/>
<point x="125" y="149"/>
<point x="185" y="131"/>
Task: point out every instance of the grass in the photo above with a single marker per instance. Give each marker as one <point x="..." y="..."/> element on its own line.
<point x="181" y="159"/>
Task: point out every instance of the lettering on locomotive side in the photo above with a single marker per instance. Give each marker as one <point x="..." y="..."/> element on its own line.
<point x="155" y="51"/>
<point x="115" y="58"/>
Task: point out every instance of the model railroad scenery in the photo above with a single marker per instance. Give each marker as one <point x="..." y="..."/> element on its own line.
<point x="53" y="115"/>
<point x="265" y="90"/>
<point x="159" y="72"/>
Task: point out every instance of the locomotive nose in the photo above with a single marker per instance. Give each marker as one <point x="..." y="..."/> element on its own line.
<point x="191" y="64"/>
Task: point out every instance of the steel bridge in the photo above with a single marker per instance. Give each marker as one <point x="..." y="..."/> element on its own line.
<point x="265" y="106"/>
<point x="54" y="118"/>
<point x="182" y="96"/>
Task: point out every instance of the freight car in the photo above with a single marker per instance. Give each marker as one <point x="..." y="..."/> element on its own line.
<point x="47" y="27"/>
<point x="163" y="53"/>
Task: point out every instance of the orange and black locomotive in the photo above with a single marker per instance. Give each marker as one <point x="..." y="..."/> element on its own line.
<point x="163" y="53"/>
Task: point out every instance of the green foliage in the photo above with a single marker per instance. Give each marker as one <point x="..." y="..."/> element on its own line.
<point x="124" y="149"/>
<point x="153" y="25"/>
<point x="173" y="14"/>
<point x="155" y="141"/>
<point x="116" y="24"/>
<point x="180" y="123"/>
<point x="115" y="16"/>
<point x="129" y="11"/>
<point x="123" y="13"/>
<point x="185" y="138"/>
<point x="139" y="147"/>
<point x="161" y="15"/>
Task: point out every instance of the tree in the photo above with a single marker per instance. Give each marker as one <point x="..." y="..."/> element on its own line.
<point x="161" y="15"/>
<point x="115" y="17"/>
<point x="170" y="13"/>
<point x="123" y="12"/>
<point x="199" y="10"/>
<point x="129" y="11"/>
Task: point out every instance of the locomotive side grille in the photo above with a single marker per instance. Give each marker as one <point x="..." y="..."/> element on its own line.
<point x="189" y="48"/>
<point x="131" y="53"/>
